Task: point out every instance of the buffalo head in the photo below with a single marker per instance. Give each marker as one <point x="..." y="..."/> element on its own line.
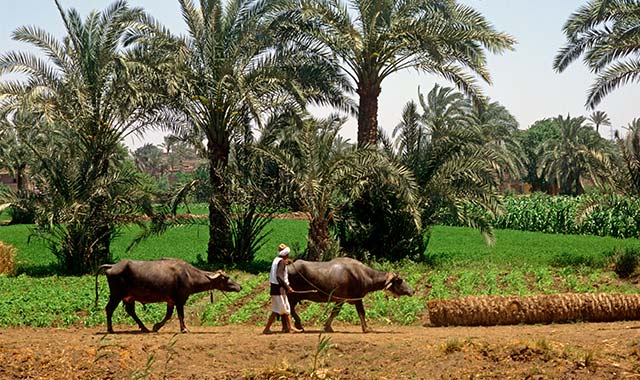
<point x="397" y="285"/>
<point x="223" y="282"/>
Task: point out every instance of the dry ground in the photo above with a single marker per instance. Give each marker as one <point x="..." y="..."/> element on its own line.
<point x="560" y="351"/>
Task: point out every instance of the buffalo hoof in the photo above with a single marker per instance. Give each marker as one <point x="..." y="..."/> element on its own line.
<point x="328" y="329"/>
<point x="144" y="329"/>
<point x="157" y="327"/>
<point x="184" y="330"/>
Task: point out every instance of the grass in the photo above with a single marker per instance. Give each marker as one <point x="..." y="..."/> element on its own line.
<point x="188" y="243"/>
<point x="463" y="247"/>
<point x="520" y="263"/>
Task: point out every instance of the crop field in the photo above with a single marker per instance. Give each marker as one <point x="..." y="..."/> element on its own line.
<point x="459" y="264"/>
<point x="51" y="329"/>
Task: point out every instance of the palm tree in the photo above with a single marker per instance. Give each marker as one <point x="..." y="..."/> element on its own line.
<point x="325" y="177"/>
<point x="148" y="159"/>
<point x="627" y="178"/>
<point x="455" y="166"/>
<point x="598" y="118"/>
<point x="20" y="133"/>
<point x="607" y="33"/>
<point x="577" y="154"/>
<point x="91" y="94"/>
<point x="374" y="39"/>
<point x="228" y="73"/>
<point x="409" y="131"/>
<point x="499" y="130"/>
<point x="17" y="131"/>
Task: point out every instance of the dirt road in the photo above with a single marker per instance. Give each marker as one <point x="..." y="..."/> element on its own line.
<point x="567" y="351"/>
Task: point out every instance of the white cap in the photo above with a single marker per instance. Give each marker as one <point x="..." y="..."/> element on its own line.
<point x="283" y="250"/>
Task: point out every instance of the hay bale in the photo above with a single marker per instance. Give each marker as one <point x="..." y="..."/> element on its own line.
<point x="7" y="258"/>
<point x="545" y="308"/>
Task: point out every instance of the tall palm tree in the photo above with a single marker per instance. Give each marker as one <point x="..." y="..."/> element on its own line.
<point x="607" y="33"/>
<point x="374" y="39"/>
<point x="228" y="72"/>
<point x="315" y="163"/>
<point x="598" y="118"/>
<point x="92" y="94"/>
<point x="578" y="153"/>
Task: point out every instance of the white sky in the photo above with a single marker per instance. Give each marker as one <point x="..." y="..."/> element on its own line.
<point x="523" y="80"/>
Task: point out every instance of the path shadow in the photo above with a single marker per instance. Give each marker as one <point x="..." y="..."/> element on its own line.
<point x="163" y="333"/>
<point x="339" y="332"/>
<point x="39" y="270"/>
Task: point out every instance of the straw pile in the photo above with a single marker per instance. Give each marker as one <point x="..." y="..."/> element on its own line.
<point x="7" y="258"/>
<point x="546" y="308"/>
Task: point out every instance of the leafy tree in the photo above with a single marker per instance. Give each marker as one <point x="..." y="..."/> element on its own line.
<point x="375" y="38"/>
<point x="325" y="177"/>
<point x="577" y="154"/>
<point x="606" y="32"/>
<point x="532" y="140"/>
<point x="227" y="72"/>
<point x="91" y="94"/>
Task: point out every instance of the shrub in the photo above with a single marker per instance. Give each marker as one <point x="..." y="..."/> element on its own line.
<point x="572" y="259"/>
<point x="7" y="259"/>
<point x="625" y="262"/>
<point x="378" y="226"/>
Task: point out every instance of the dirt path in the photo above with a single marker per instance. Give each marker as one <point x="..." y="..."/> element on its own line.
<point x="568" y="351"/>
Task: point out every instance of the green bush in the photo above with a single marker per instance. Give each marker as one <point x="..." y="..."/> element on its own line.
<point x="378" y="226"/>
<point x="625" y="262"/>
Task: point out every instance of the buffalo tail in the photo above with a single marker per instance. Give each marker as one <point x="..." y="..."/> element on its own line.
<point x="101" y="268"/>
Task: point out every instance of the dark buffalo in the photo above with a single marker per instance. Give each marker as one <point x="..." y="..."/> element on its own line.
<point x="166" y="280"/>
<point x="339" y="280"/>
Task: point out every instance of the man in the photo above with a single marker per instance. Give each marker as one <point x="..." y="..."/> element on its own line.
<point x="279" y="281"/>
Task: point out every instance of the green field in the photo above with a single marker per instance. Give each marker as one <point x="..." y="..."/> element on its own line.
<point x="520" y="263"/>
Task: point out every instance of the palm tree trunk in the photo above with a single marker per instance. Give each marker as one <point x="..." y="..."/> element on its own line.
<point x="368" y="114"/>
<point x="21" y="177"/>
<point x="219" y="248"/>
<point x="318" y="239"/>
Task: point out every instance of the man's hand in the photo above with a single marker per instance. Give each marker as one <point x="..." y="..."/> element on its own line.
<point x="290" y="290"/>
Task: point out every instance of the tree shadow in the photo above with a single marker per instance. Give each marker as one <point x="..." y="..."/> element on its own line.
<point x="39" y="270"/>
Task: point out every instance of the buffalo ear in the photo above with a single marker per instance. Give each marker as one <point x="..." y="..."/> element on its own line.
<point x="389" y="280"/>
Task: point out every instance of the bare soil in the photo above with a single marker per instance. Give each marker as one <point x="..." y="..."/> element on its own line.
<point x="559" y="351"/>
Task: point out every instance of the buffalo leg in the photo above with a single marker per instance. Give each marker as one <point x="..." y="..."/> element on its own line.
<point x="110" y="308"/>
<point x="334" y="313"/>
<point x="361" y="314"/>
<point x="183" y="327"/>
<point x="296" y="317"/>
<point x="130" y="307"/>
<point x="159" y="325"/>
